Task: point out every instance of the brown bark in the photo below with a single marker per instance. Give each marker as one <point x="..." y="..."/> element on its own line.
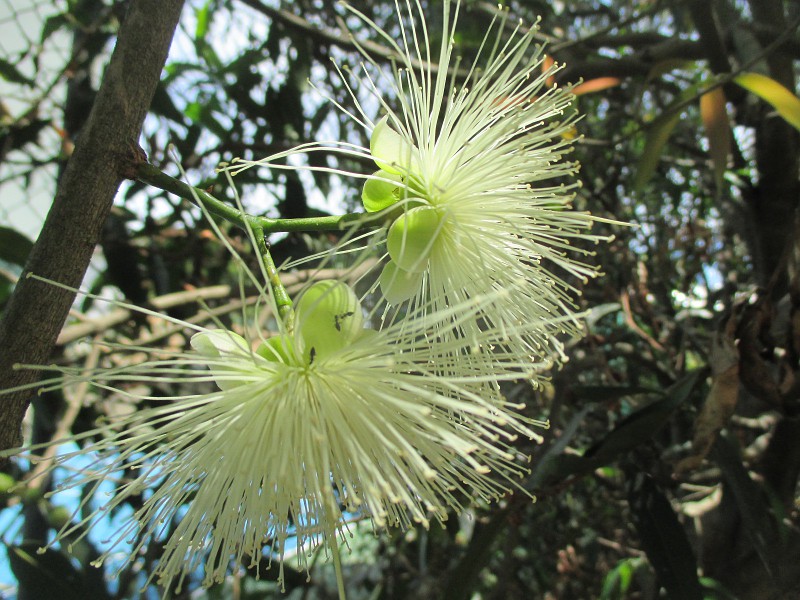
<point x="36" y="311"/>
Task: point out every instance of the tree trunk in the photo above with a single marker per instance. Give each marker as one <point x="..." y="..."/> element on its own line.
<point x="36" y="311"/>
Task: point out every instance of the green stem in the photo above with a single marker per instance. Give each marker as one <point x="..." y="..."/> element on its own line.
<point x="260" y="226"/>
<point x="282" y="299"/>
<point x="152" y="175"/>
<point x="329" y="223"/>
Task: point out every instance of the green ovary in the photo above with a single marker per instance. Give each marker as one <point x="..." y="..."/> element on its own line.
<point x="328" y="317"/>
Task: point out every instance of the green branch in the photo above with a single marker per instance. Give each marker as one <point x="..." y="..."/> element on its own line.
<point x="151" y="175"/>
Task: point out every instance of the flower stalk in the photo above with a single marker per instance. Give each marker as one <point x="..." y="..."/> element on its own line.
<point x="152" y="175"/>
<point x="282" y="299"/>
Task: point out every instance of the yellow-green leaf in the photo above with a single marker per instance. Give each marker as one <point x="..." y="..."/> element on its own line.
<point x="784" y="101"/>
<point x="718" y="131"/>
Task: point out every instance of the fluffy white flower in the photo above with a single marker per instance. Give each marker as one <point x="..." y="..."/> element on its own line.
<point x="325" y="418"/>
<point x="473" y="178"/>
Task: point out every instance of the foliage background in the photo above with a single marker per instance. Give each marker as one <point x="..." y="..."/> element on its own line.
<point x="673" y="456"/>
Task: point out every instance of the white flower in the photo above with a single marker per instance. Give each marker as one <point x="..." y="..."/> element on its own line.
<point x="473" y="176"/>
<point x="327" y="417"/>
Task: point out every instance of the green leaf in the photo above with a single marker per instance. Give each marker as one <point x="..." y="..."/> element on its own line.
<point x="641" y="425"/>
<point x="618" y="581"/>
<point x="781" y="99"/>
<point x="657" y="135"/>
<point x="757" y="518"/>
<point x="193" y="111"/>
<point x="14" y="247"/>
<point x="663" y="539"/>
<point x="10" y="73"/>
<point x="202" y="15"/>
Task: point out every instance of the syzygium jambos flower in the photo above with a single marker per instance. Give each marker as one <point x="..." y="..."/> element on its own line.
<point x="324" y="418"/>
<point x="473" y="177"/>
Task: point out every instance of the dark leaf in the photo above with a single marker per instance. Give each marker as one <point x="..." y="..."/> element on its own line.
<point x="605" y="393"/>
<point x="641" y="425"/>
<point x="754" y="510"/>
<point x="17" y="135"/>
<point x="163" y="105"/>
<point x="14" y="247"/>
<point x="9" y="72"/>
<point x="663" y="539"/>
<point x="53" y="24"/>
<point x="631" y="432"/>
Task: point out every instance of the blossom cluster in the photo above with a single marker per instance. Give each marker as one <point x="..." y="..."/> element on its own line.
<point x="330" y="415"/>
